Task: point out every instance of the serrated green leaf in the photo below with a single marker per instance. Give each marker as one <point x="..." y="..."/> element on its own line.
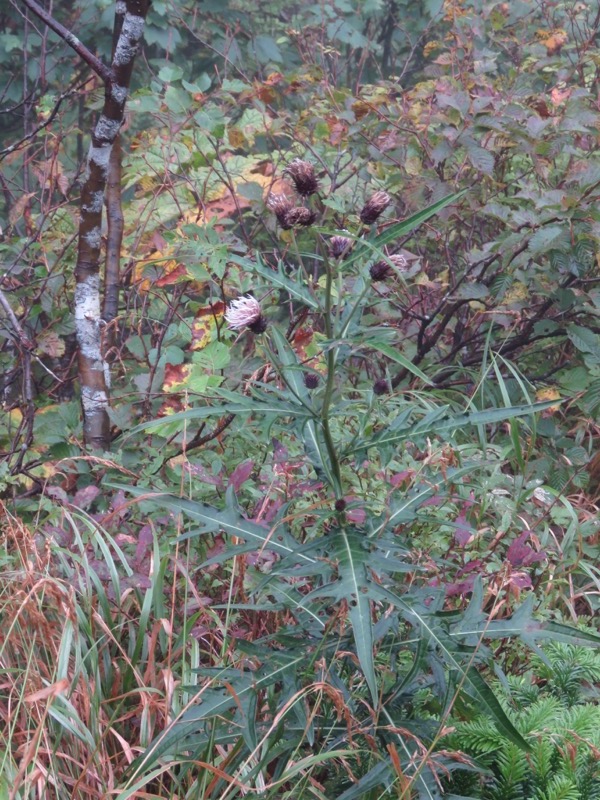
<point x="228" y="520"/>
<point x="278" y="279"/>
<point x="242" y="407"/>
<point x="347" y="548"/>
<point x="468" y="674"/>
<point x="391" y="353"/>
<point x="488" y="417"/>
<point x="585" y="340"/>
<point x="546" y="238"/>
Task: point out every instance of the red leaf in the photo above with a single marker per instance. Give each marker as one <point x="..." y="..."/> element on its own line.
<point x="241" y="474"/>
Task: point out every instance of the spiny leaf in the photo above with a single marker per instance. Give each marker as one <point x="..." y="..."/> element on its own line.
<point x="449" y="423"/>
<point x="229" y="520"/>
<point x="277" y="278"/>
<point x="347" y="547"/>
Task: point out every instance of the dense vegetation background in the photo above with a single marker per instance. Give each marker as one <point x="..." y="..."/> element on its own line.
<point x="336" y="535"/>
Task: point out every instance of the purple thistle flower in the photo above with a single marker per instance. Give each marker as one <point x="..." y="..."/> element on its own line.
<point x="311" y="380"/>
<point x="339" y="246"/>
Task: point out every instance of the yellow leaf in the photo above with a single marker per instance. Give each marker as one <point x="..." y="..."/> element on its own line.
<point x="176" y="376"/>
<point x="430" y="47"/>
<point x="236" y="138"/>
<point x="549" y="393"/>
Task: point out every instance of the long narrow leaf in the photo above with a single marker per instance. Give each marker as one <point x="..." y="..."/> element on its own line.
<point x="278" y="278"/>
<point x="449" y="423"/>
<point x="468" y="674"/>
<point x="229" y="520"/>
<point x="401" y="228"/>
<point x="391" y="353"/>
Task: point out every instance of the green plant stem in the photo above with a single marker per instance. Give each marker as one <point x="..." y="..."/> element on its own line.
<point x="328" y="394"/>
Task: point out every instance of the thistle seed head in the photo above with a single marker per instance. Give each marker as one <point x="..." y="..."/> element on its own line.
<point x="302" y="174"/>
<point x="289" y="216"/>
<point x="374" y="207"/>
<point x="280" y="205"/>
<point x="299" y="217"/>
<point x="381" y="269"/>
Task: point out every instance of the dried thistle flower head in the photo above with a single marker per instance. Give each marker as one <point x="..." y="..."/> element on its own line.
<point x="381" y="386"/>
<point x="299" y="217"/>
<point x="245" y="312"/>
<point x="280" y="205"/>
<point x="303" y="177"/>
<point x="339" y="246"/>
<point x="374" y="207"/>
<point x="288" y="215"/>
<point x="381" y="269"/>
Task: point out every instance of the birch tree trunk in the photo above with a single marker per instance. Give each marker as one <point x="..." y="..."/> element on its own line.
<point x="93" y="368"/>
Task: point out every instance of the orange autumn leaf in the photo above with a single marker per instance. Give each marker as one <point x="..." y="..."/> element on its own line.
<point x="172" y="405"/>
<point x="176" y="377"/>
<point x="549" y="393"/>
<point x="173" y="274"/>
<point x="60" y="687"/>
<point x="552" y="40"/>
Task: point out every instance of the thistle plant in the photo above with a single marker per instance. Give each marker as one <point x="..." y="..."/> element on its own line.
<point x="330" y="381"/>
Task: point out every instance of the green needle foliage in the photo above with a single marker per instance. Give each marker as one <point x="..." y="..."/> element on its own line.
<point x="555" y="707"/>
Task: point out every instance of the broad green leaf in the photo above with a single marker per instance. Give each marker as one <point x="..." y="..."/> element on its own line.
<point x="585" y="340"/>
<point x="547" y="237"/>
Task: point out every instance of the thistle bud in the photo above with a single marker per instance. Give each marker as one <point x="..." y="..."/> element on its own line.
<point x="381" y="386"/>
<point x="245" y="312"/>
<point x="311" y="381"/>
<point x="381" y="269"/>
<point x="340" y="246"/>
<point x="374" y="207"/>
<point x="302" y="174"/>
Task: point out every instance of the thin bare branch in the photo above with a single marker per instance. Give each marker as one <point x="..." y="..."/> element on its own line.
<point x="82" y="51"/>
